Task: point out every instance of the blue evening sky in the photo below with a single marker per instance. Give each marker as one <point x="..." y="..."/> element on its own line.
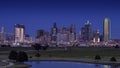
<point x="41" y="14"/>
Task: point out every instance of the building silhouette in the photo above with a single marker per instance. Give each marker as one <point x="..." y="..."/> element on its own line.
<point x="63" y="36"/>
<point x="19" y="33"/>
<point x="96" y="36"/>
<point x="72" y="34"/>
<point x="72" y="28"/>
<point x="42" y="37"/>
<point x="40" y="33"/>
<point x="106" y="30"/>
<point x="86" y="32"/>
<point x="54" y="32"/>
<point x="2" y="35"/>
<point x="83" y="33"/>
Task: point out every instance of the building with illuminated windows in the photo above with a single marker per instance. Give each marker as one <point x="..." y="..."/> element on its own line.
<point x="54" y="32"/>
<point x="19" y="34"/>
<point x="2" y="35"/>
<point x="63" y="36"/>
<point x="96" y="36"/>
<point x="86" y="32"/>
<point x="72" y="33"/>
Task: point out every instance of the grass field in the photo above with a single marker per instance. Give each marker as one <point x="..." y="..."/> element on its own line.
<point x="85" y="53"/>
<point x="78" y="52"/>
<point x="70" y="52"/>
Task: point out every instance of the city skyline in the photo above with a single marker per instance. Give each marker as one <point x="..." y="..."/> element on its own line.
<point x="42" y="14"/>
<point x="68" y="26"/>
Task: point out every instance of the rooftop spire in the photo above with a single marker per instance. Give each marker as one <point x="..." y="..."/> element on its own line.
<point x="88" y="21"/>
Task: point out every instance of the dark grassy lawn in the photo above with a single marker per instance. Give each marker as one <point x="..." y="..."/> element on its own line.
<point x="70" y="52"/>
<point x="79" y="52"/>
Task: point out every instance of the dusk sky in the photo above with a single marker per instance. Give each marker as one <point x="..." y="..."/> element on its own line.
<point x="41" y="14"/>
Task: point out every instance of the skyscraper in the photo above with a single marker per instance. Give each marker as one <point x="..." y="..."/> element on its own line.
<point x="2" y="30"/>
<point x="86" y="32"/>
<point x="106" y="29"/>
<point x="72" y="28"/>
<point x="72" y="37"/>
<point x="2" y="35"/>
<point x="83" y="33"/>
<point x="88" y="29"/>
<point x="19" y="33"/>
<point x="63" y="35"/>
<point x="40" y="33"/>
<point x="54" y="33"/>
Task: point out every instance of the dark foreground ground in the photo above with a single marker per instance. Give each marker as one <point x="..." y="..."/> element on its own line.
<point x="83" y="53"/>
<point x="69" y="52"/>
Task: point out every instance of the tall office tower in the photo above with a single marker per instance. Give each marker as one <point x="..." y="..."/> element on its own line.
<point x="83" y="33"/>
<point x="72" y="28"/>
<point x="9" y="38"/>
<point x="19" y="33"/>
<point x="106" y="29"/>
<point x="2" y="35"/>
<point x="47" y="38"/>
<point x="72" y="37"/>
<point x="88" y="31"/>
<point x="2" y="30"/>
<point x="40" y="33"/>
<point x="54" y="32"/>
<point x="42" y="36"/>
<point x="63" y="36"/>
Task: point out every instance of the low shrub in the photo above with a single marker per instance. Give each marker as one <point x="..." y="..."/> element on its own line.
<point x="37" y="55"/>
<point x="113" y="59"/>
<point x="97" y="57"/>
<point x="13" y="55"/>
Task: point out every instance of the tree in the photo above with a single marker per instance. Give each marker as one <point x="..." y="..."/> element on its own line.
<point x="97" y="57"/>
<point x="22" y="56"/>
<point x="117" y="46"/>
<point x="113" y="59"/>
<point x="13" y="55"/>
<point x="37" y="55"/>
<point x="45" y="47"/>
<point x="37" y="47"/>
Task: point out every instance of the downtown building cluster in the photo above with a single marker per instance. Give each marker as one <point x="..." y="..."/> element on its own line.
<point x="57" y="36"/>
<point x="64" y="36"/>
